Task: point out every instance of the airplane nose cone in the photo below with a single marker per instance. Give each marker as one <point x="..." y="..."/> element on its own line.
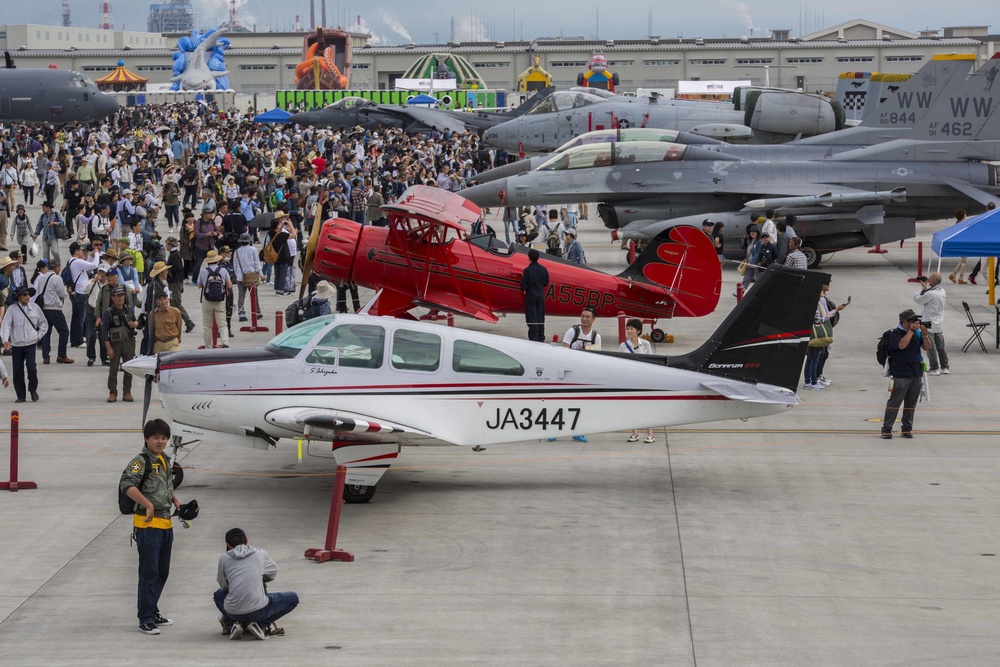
<point x="140" y="367"/>
<point x="105" y="105"/>
<point x="504" y="171"/>
<point x="487" y="194"/>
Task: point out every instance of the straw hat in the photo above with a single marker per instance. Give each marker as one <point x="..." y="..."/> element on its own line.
<point x="324" y="290"/>
<point x="158" y="268"/>
<point x="212" y="257"/>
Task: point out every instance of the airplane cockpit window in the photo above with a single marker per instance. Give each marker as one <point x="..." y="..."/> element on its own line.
<point x="582" y="157"/>
<point x="647" y="151"/>
<point x="290" y="342"/>
<point x="351" y="346"/>
<point x="415" y="350"/>
<point x="77" y="82"/>
<point x="471" y="357"/>
<point x="491" y="243"/>
<point x="649" y="134"/>
<point x="564" y="100"/>
<point x="347" y="103"/>
<point x="595" y="137"/>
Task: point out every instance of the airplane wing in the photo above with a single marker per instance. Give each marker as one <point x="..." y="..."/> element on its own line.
<point x="435" y="119"/>
<point x="972" y="192"/>
<point x="457" y="303"/>
<point x="349" y="425"/>
<point x="752" y="393"/>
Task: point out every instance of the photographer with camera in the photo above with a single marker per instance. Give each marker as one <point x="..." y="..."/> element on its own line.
<point x="932" y="297"/>
<point x="243" y="601"/>
<point x="582" y="337"/>
<point x="906" y="368"/>
<point x="118" y="327"/>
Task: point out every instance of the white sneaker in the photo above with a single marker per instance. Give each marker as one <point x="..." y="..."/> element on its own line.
<point x="256" y="630"/>
<point x="817" y="387"/>
<point x="823" y="381"/>
<point x="236" y="632"/>
<point x="945" y="371"/>
<point x="934" y="372"/>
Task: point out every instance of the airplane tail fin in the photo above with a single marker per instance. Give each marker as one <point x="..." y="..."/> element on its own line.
<point x="764" y="339"/>
<point x="965" y="111"/>
<point x="899" y="102"/>
<point x="682" y="259"/>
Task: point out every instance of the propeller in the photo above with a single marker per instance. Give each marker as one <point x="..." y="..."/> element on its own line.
<point x="311" y="249"/>
<point x="147" y="393"/>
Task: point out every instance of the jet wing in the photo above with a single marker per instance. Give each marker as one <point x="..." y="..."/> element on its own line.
<point x="752" y="393"/>
<point x="972" y="192"/>
<point x="435" y="119"/>
<point x="348" y="424"/>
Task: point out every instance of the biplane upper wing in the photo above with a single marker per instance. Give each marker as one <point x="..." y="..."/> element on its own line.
<point x="435" y="205"/>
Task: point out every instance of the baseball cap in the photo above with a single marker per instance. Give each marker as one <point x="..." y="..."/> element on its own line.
<point x="907" y="315"/>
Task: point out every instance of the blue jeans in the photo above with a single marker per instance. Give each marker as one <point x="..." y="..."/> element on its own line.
<point x="199" y="257"/>
<point x="278" y="604"/>
<point x="154" y="545"/>
<point x="78" y="319"/>
<point x="359" y="216"/>
<point x="812" y="364"/>
<point x="57" y="321"/>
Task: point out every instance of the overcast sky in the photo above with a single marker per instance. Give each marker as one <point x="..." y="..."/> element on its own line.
<point x="402" y="21"/>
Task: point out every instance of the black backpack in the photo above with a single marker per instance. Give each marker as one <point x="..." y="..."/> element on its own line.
<point x="882" y="348"/>
<point x="67" y="275"/>
<point x="215" y="288"/>
<point x="125" y="504"/>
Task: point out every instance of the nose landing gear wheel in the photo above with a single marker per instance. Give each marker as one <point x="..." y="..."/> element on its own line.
<point x="355" y="493"/>
<point x="657" y="335"/>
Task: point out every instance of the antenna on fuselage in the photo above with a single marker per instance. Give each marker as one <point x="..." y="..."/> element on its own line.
<point x="368" y="306"/>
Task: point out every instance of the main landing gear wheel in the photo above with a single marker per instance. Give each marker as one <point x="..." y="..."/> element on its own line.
<point x="813" y="257"/>
<point x="355" y="493"/>
<point x="178" y="473"/>
<point x="657" y="335"/>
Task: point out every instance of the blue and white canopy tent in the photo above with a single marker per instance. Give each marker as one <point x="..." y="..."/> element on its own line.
<point x="978" y="236"/>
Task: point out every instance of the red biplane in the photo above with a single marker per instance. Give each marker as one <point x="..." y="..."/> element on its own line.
<point x="426" y="257"/>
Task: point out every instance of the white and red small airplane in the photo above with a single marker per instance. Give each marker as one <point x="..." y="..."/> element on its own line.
<point x="373" y="384"/>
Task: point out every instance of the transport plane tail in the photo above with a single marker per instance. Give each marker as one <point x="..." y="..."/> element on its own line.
<point x="764" y="339"/>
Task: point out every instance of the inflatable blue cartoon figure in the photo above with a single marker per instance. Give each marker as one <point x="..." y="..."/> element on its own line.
<point x="200" y="62"/>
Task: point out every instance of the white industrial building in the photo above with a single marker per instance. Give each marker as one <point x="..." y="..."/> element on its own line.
<point x="265" y="62"/>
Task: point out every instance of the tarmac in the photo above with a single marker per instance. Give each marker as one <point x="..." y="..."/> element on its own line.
<point x="800" y="539"/>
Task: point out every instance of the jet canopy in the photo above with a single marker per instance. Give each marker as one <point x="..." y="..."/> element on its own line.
<point x="564" y="100"/>
<point x="605" y="136"/>
<point x="607" y="155"/>
<point x="347" y="103"/>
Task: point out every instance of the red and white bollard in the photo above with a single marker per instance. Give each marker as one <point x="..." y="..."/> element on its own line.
<point x="920" y="262"/>
<point x="14" y="485"/>
<point x="739" y="292"/>
<point x="279" y="322"/>
<point x="330" y="550"/>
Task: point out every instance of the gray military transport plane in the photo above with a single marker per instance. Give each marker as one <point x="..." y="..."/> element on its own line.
<point x="54" y="96"/>
<point x="370" y="385"/>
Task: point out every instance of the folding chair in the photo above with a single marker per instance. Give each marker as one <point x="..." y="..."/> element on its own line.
<point x="977" y="328"/>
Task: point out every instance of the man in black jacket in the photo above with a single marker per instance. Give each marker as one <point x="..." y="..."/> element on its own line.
<point x="175" y="280"/>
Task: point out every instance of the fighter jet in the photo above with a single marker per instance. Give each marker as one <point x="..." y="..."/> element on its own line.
<point x="891" y="117"/>
<point x="763" y="115"/>
<point x="370" y="385"/>
<point x="830" y="217"/>
<point x="53" y="96"/>
<point x="354" y="111"/>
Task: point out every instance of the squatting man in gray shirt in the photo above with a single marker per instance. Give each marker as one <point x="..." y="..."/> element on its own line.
<point x="243" y="601"/>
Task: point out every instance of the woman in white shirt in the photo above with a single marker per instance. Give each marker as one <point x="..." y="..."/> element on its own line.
<point x="635" y="345"/>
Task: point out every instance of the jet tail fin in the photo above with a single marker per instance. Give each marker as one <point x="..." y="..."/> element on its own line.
<point x="764" y="339"/>
<point x="682" y="259"/>
<point x="898" y="103"/>
<point x="966" y="111"/>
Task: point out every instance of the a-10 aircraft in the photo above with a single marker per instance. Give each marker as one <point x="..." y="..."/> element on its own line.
<point x="842" y="198"/>
<point x="52" y="96"/>
<point x="761" y="115"/>
<point x="425" y="257"/>
<point x="357" y="111"/>
<point x="370" y="385"/>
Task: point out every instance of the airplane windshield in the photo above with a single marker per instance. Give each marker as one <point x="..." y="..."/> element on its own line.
<point x="564" y="100"/>
<point x="606" y="155"/>
<point x="291" y="341"/>
<point x="78" y="82"/>
<point x="347" y="103"/>
<point x="604" y="136"/>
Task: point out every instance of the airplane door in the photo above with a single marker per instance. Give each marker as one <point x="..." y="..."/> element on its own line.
<point x="4" y="105"/>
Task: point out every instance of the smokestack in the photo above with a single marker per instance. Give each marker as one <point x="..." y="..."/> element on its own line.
<point x="323" y="10"/>
<point x="312" y="14"/>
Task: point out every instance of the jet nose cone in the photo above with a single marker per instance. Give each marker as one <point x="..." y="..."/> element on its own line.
<point x="487" y="194"/>
<point x="504" y="171"/>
